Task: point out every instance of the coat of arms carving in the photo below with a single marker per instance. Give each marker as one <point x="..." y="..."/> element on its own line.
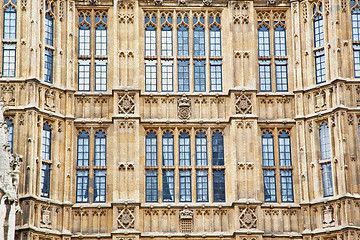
<point x="184" y="108"/>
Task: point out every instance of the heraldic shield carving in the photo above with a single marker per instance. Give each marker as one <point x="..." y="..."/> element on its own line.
<point x="184" y="108"/>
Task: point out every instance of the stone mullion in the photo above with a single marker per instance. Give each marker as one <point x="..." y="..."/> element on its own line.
<point x="277" y="164"/>
<point x="159" y="164"/>
<point x="92" y="51"/>
<point x="207" y="52"/>
<point x="333" y="153"/>
<point x="174" y="49"/>
<point x="343" y="171"/>
<point x="210" y="171"/>
<point x="91" y="164"/>
<point x="176" y="164"/>
<point x="316" y="168"/>
<point x="191" y="52"/>
<point x="158" y="52"/>
<point x="193" y="164"/>
<point x="272" y="53"/>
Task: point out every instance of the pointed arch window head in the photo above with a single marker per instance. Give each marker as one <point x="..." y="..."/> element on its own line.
<point x="10" y="19"/>
<point x="166" y="35"/>
<point x="46" y="142"/>
<point x="184" y="149"/>
<point x="83" y="149"/>
<point x="151" y="149"/>
<point x="168" y="149"/>
<point x="318" y="23"/>
<point x="201" y="149"/>
<point x="217" y="148"/>
<point x="280" y="39"/>
<point x="10" y="128"/>
<point x="49" y="29"/>
<point x="325" y="151"/>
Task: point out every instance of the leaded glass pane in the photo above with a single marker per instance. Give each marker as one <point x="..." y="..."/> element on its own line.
<point x="99" y="185"/>
<point x="202" y="186"/>
<point x="201" y="149"/>
<point x="151" y="149"/>
<point x="269" y="186"/>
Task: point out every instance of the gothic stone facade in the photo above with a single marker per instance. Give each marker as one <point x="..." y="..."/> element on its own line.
<point x="176" y="90"/>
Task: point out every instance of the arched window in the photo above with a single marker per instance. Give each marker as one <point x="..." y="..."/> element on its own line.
<point x="355" y="23"/>
<point x="151" y="149"/>
<point x="150" y="34"/>
<point x="46" y="142"/>
<point x="215" y="51"/>
<point x="184" y="149"/>
<point x="318" y="24"/>
<point x="49" y="29"/>
<point x="284" y="149"/>
<point x="199" y="35"/>
<point x="263" y="40"/>
<point x="100" y="50"/>
<point x="10" y="128"/>
<point x="183" y="35"/>
<point x="83" y="149"/>
<point x="201" y="149"/>
<point x="100" y="149"/>
<point x="168" y="149"/>
<point x="49" y="42"/>
<point x="217" y="148"/>
<point x="268" y="149"/>
<point x="84" y="51"/>
<point x="324" y="141"/>
<point x="10" y="19"/>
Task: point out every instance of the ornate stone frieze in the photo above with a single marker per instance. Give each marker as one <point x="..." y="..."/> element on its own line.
<point x="207" y="2"/>
<point x="126" y="103"/>
<point x="184" y="108"/>
<point x="126" y="166"/>
<point x="248" y="218"/>
<point x="243" y="104"/>
<point x="304" y="11"/>
<point x="245" y="165"/>
<point x="8" y="96"/>
<point x="126" y="218"/>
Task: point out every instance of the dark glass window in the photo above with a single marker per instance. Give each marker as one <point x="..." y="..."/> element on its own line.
<point x="183" y="36"/>
<point x="10" y="21"/>
<point x="184" y="149"/>
<point x="183" y="76"/>
<point x="327" y="180"/>
<point x="100" y="35"/>
<point x="100" y="149"/>
<point x="201" y="149"/>
<point x="100" y="75"/>
<point x="215" y="35"/>
<point x="215" y="76"/>
<point x="267" y="142"/>
<point x="280" y="39"/>
<point x="168" y="149"/>
<point x="199" y="76"/>
<point x="46" y="142"/>
<point x="284" y="149"/>
<point x="45" y="180"/>
<point x="99" y="186"/>
<point x="324" y="141"/>
<point x="355" y="23"/>
<point x="320" y="66"/>
<point x="10" y="128"/>
<point x="166" y="36"/>
<point x="269" y="186"/>
<point x="265" y="75"/>
<point x="49" y="65"/>
<point x="49" y="29"/>
<point x="287" y="194"/>
<point x="219" y="186"/>
<point x="151" y="186"/>
<point x="84" y="75"/>
<point x="217" y="148"/>
<point x="199" y="36"/>
<point x="318" y="30"/>
<point x="82" y="186"/>
<point x="167" y="76"/>
<point x="168" y="186"/>
<point x="264" y="40"/>
<point x="9" y="59"/>
<point x="83" y="149"/>
<point x="185" y="185"/>
<point x="202" y="186"/>
<point x="151" y="149"/>
<point x="281" y="75"/>
<point x="150" y="35"/>
<point x="150" y="76"/>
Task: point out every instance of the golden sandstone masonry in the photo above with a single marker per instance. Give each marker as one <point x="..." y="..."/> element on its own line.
<point x="181" y="119"/>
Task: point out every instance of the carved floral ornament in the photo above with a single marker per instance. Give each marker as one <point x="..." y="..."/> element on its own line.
<point x="126" y="103"/>
<point x="247" y="218"/>
<point x="243" y="104"/>
<point x="126" y="218"/>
